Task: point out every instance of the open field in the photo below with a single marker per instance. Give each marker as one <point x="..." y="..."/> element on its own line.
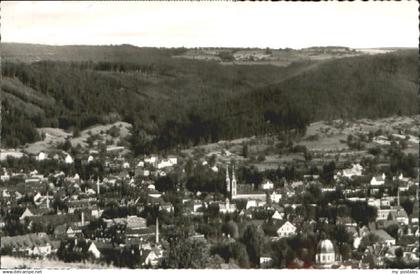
<point x="55" y="136"/>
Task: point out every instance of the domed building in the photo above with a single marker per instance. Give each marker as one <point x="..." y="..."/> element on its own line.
<point x="326" y="253"/>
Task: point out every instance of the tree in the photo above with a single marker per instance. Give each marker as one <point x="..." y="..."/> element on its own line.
<point x="187" y="253"/>
<point x="231" y="228"/>
<point x="245" y="151"/>
<point x="253" y="239"/>
<point x="328" y="171"/>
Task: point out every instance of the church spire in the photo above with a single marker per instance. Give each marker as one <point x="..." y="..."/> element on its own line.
<point x="233" y="183"/>
<point x="227" y="180"/>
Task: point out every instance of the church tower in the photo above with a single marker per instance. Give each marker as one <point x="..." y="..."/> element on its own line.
<point x="233" y="183"/>
<point x="227" y="180"/>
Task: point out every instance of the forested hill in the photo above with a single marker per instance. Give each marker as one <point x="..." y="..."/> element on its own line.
<point x="357" y="87"/>
<point x="174" y="101"/>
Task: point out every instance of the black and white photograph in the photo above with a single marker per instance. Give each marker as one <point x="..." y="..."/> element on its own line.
<point x="215" y="135"/>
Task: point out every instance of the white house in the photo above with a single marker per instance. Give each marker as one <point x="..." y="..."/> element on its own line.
<point x="275" y="197"/>
<point x="378" y="180"/>
<point x="355" y="170"/>
<point x="173" y="160"/>
<point x="286" y="230"/>
<point x="215" y="169"/>
<point x="94" y="250"/>
<point x="90" y="158"/>
<point x="68" y="159"/>
<point x="267" y="185"/>
<point x="227" y="207"/>
<point x="26" y="213"/>
<point x="42" y="249"/>
<point x="151" y="160"/>
<point x="277" y="216"/>
<point x="255" y="203"/>
<point x="41" y="156"/>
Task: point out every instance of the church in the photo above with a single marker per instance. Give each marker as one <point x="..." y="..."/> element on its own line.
<point x="233" y="189"/>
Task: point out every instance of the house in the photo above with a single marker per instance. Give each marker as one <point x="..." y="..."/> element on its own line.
<point x="386" y="214"/>
<point x="26" y="213"/>
<point x="151" y="160"/>
<point x="68" y="160"/>
<point x="72" y="231"/>
<point x="255" y="203"/>
<point x="267" y="185"/>
<point x="168" y="207"/>
<point x="41" y="156"/>
<point x="151" y="257"/>
<point x="227" y="207"/>
<point x="94" y="250"/>
<point x="355" y="170"/>
<point x="401" y="216"/>
<point x="275" y="197"/>
<point x="277" y="215"/>
<point x="378" y="180"/>
<point x="286" y="230"/>
<point x="135" y="223"/>
<point x="34" y="244"/>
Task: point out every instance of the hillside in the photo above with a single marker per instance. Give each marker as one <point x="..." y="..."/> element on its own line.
<point x="178" y="101"/>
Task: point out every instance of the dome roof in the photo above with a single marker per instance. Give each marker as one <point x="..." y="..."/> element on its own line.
<point x="325" y="246"/>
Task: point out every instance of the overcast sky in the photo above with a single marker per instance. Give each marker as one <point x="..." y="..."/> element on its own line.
<point x="222" y="24"/>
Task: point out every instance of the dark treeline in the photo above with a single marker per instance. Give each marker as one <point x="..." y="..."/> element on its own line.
<point x="176" y="102"/>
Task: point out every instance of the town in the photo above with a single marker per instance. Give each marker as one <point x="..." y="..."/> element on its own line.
<point x="219" y="206"/>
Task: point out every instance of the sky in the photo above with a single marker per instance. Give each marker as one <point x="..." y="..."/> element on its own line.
<point x="213" y="24"/>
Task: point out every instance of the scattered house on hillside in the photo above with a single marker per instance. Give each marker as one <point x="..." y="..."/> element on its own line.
<point x="41" y="156"/>
<point x="355" y="170"/>
<point x="381" y="140"/>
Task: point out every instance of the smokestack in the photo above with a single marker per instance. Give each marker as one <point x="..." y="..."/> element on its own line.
<point x="83" y="218"/>
<point x="97" y="187"/>
<point x="398" y="199"/>
<point x="157" y="230"/>
<point x="48" y="201"/>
